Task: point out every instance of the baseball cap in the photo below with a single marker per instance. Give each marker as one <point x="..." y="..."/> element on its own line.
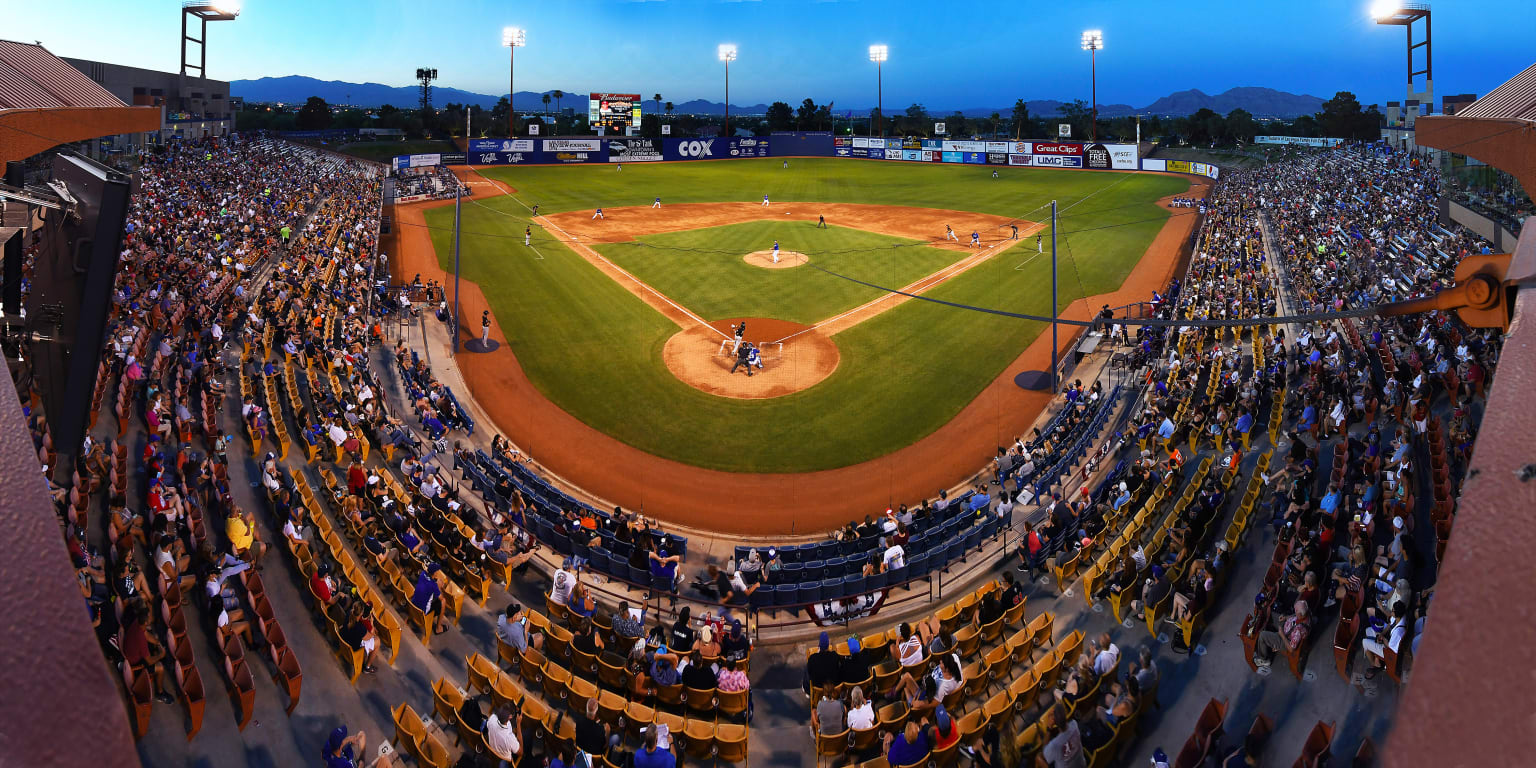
<point x="565" y="564"/>
<point x="941" y="718"/>
<point x="853" y="645"/>
<point x="825" y="640"/>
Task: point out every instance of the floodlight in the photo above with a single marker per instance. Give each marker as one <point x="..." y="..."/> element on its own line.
<point x="514" y="37"/>
<point x="1093" y="40"/>
<point x="228" y="7"/>
<point x="727" y="52"/>
<point x="1382" y="9"/>
<point x="879" y="53"/>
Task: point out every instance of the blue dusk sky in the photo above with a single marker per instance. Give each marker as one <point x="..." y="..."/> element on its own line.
<point x="943" y="55"/>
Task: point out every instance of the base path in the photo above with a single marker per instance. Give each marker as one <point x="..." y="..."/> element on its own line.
<point x="767" y="504"/>
<point x="702" y="359"/>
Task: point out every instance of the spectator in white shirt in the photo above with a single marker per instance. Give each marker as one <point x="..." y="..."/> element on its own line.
<point x="501" y="734"/>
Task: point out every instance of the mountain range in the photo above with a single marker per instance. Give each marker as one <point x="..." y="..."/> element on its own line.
<point x="1261" y="102"/>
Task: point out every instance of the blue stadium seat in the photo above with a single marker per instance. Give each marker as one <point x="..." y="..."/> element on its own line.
<point x="890" y="578"/>
<point x="784" y="594"/>
<point x="813" y="571"/>
<point x="638" y="576"/>
<point x="808" y="592"/>
<point x="602" y="560"/>
<point x="832" y="589"/>
<point x="837" y="567"/>
<point x="761" y="598"/>
<point x="917" y="567"/>
<point x="792" y="573"/>
<point x="973" y="538"/>
<point x="853" y="584"/>
<point x="560" y="542"/>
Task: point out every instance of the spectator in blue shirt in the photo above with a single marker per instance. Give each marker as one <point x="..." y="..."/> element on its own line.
<point x="907" y="748"/>
<point x="1165" y="431"/>
<point x="1244" y="422"/>
<point x="653" y="756"/>
<point x="427" y="597"/>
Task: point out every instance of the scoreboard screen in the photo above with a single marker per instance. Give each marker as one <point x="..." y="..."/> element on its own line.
<point x="614" y="112"/>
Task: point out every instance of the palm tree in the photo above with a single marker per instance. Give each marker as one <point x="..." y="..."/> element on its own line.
<point x="657" y="98"/>
<point x="559" y="94"/>
<point x="997" y="119"/>
<point x="546" y="103"/>
<point x="669" y="109"/>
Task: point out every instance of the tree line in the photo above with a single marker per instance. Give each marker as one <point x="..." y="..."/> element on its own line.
<point x="1340" y="117"/>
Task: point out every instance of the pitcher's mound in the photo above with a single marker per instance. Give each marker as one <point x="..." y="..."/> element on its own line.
<point x="764" y="259"/>
<point x="794" y="358"/>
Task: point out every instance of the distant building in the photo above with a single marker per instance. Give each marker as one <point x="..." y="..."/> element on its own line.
<point x="1450" y="105"/>
<point x="205" y="109"/>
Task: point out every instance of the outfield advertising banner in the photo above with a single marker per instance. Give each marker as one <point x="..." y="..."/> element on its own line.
<point x="858" y="151"/>
<point x="928" y="155"/>
<point x="954" y="157"/>
<point x="572" y="145"/>
<point x="842" y="152"/>
<point x="1056" y="148"/>
<point x="634" y="150"/>
<point x="1056" y="161"/>
<point x="933" y="144"/>
<point x="842" y="141"/>
<point x="573" y="157"/>
<point x="965" y="146"/>
<point x="976" y="158"/>
<point x="997" y="158"/>
<point x="876" y="154"/>
<point x="1019" y="159"/>
<point x="1104" y="157"/>
<point x="1179" y="166"/>
<point x="915" y="155"/>
<point x="912" y="142"/>
<point x="501" y="145"/>
<point x="862" y="142"/>
<point x="1154" y="165"/>
<point x="1301" y="140"/>
<point x="1018" y="148"/>
<point x="998" y="146"/>
<point x="417" y="161"/>
<point x="501" y="158"/>
<point x="454" y="158"/>
<point x="747" y="147"/>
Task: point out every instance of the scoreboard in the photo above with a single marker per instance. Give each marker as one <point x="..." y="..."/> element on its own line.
<point x="614" y="112"/>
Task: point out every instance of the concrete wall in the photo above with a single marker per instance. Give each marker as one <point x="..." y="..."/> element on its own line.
<point x="1503" y="240"/>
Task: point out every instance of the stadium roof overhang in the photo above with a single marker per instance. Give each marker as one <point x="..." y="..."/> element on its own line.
<point x="26" y="132"/>
<point x="1462" y="708"/>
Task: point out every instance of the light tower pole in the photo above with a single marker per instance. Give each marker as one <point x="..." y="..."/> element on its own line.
<point x="1093" y="42"/>
<point x="727" y="53"/>
<point x="204" y="12"/>
<point x="513" y="38"/>
<point x="878" y="54"/>
<point x="1401" y="14"/>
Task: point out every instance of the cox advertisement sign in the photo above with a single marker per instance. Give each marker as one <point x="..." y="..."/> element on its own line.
<point x="573" y="145"/>
<point x="1056" y="161"/>
<point x="1057" y="148"/>
<point x="695" y="149"/>
<point x="501" y="145"/>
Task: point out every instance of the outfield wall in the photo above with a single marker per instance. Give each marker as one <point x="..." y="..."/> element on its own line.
<point x="1036" y="154"/>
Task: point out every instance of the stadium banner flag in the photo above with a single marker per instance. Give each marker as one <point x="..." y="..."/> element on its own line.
<point x="572" y="145"/>
<point x="976" y="158"/>
<point x="1056" y="161"/>
<point x="965" y="146"/>
<point x="1157" y="164"/>
<point x="912" y="154"/>
<point x="1180" y="166"/>
<point x="501" y="145"/>
<point x="954" y="157"/>
<point x="747" y="147"/>
<point x="997" y="146"/>
<point x="997" y="158"/>
<point x="876" y="154"/>
<point x="1019" y="159"/>
<point x="1056" y="148"/>
<point x="933" y="144"/>
<point x="634" y="150"/>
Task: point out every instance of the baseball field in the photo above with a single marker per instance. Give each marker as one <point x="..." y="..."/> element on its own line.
<point x="625" y="321"/>
<point x="619" y="320"/>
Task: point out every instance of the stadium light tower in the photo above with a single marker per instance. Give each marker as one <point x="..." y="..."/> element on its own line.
<point x="513" y="38"/>
<point x="878" y="54"/>
<point x="727" y="54"/>
<point x="1093" y="42"/>
<point x="204" y="11"/>
<point x="1400" y="14"/>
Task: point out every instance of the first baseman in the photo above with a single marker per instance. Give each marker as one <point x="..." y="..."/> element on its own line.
<point x="599" y="215"/>
<point x="656" y="204"/>
<point x="949" y="233"/>
<point x="976" y="239"/>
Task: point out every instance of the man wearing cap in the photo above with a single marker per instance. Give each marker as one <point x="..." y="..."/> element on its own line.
<point x="945" y="730"/>
<point x="822" y="668"/>
<point x="1156" y="589"/>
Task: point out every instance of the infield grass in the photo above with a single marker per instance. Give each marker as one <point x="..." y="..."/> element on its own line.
<point x="596" y="350"/>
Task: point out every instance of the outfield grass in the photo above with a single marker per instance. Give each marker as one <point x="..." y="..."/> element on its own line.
<point x="703" y="268"/>
<point x="595" y="349"/>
